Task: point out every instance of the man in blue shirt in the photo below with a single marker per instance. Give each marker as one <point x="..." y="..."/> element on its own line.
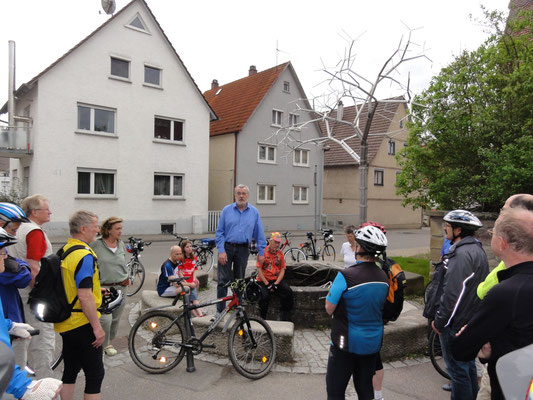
<point x="239" y="222"/>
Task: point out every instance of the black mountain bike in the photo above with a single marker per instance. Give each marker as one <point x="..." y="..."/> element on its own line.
<point x="326" y="252"/>
<point x="435" y="354"/>
<point x="134" y="266"/>
<point x="159" y="340"/>
<point x="203" y="249"/>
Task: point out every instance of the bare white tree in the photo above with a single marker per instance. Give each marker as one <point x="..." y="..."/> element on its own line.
<point x="347" y="86"/>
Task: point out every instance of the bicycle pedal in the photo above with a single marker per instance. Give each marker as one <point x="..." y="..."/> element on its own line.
<point x="209" y="346"/>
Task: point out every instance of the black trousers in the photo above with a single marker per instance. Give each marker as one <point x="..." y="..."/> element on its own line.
<point x="341" y="366"/>
<point x="285" y="294"/>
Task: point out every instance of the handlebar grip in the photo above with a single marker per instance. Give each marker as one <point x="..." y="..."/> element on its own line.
<point x="34" y="332"/>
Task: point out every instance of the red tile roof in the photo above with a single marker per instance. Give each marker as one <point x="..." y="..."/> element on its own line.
<point x="236" y="101"/>
<point x="383" y="116"/>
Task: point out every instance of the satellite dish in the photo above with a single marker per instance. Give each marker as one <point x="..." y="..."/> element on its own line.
<point x="109" y="6"/>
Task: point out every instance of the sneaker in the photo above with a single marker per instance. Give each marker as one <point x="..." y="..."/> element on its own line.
<point x="44" y="389"/>
<point x="110" y="351"/>
<point x="447" y="387"/>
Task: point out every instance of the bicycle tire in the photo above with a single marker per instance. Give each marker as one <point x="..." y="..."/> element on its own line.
<point x="57" y="359"/>
<point x="328" y="253"/>
<point x="293" y="255"/>
<point x="206" y="259"/>
<point x="249" y="361"/>
<point x="308" y="252"/>
<point x="137" y="276"/>
<point x="155" y="342"/>
<point x="435" y="355"/>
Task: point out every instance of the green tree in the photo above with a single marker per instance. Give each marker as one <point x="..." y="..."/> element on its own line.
<point x="470" y="139"/>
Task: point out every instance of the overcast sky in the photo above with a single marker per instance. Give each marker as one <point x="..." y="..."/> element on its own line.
<point x="221" y="39"/>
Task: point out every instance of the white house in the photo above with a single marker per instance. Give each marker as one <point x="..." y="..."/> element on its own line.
<point x="118" y="127"/>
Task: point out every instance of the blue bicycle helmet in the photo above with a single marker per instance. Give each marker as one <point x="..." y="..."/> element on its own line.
<point x="10" y="212"/>
<point x="6" y="239"/>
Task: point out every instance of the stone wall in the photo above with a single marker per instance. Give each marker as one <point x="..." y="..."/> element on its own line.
<point x="437" y="235"/>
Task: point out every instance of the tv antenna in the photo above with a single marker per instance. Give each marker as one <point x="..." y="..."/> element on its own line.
<point x="109" y="6"/>
<point x="278" y="51"/>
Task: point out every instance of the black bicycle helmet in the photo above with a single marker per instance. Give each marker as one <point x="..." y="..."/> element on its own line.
<point x="10" y="212"/>
<point x="371" y="239"/>
<point x="111" y="301"/>
<point x="252" y="291"/>
<point x="6" y="239"/>
<point x="463" y="219"/>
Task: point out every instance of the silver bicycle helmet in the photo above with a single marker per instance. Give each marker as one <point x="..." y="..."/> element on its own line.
<point x="6" y="239"/>
<point x="463" y="219"/>
<point x="111" y="301"/>
<point x="10" y="212"/>
<point x="371" y="239"/>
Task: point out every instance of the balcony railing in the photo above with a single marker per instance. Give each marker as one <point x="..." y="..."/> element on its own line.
<point x="15" y="141"/>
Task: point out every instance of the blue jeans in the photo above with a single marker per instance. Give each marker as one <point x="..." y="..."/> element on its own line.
<point x="463" y="373"/>
<point x="235" y="267"/>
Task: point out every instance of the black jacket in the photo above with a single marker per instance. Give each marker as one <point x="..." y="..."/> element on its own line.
<point x="453" y="298"/>
<point x="504" y="318"/>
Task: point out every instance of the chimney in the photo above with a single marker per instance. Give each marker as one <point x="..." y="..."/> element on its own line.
<point x="252" y="70"/>
<point x="214" y="84"/>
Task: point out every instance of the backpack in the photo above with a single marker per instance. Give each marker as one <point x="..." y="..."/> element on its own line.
<point x="48" y="300"/>
<point x="397" y="284"/>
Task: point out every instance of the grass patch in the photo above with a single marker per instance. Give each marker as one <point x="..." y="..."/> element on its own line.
<point x="418" y="264"/>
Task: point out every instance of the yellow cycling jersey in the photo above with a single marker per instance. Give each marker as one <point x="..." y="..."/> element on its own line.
<point x="68" y="269"/>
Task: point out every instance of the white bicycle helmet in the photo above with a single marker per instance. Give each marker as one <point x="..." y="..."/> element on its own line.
<point x="463" y="219"/>
<point x="6" y="239"/>
<point x="371" y="239"/>
<point x="111" y="301"/>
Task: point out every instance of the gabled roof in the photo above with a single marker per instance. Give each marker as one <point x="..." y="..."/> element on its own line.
<point x="337" y="156"/>
<point x="236" y="101"/>
<point x="26" y="87"/>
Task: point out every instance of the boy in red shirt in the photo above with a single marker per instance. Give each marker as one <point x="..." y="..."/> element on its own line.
<point x="270" y="278"/>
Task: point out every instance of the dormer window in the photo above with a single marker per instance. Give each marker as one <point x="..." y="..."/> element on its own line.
<point x="137" y="24"/>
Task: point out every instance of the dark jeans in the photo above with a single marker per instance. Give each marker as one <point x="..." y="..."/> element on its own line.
<point x="341" y="366"/>
<point x="235" y="267"/>
<point x="285" y="294"/>
<point x="462" y="373"/>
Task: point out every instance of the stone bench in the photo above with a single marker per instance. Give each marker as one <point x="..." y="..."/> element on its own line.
<point x="283" y="331"/>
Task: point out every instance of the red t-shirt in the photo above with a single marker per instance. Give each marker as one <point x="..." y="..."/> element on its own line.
<point x="36" y="245"/>
<point x="273" y="264"/>
<point x="187" y="267"/>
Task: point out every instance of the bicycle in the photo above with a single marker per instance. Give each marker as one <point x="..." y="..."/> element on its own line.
<point x="203" y="251"/>
<point x="134" y="267"/>
<point x="291" y="254"/>
<point x="435" y="354"/>
<point x="159" y="340"/>
<point x="326" y="252"/>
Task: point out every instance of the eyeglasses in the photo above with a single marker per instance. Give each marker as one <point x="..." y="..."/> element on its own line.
<point x="491" y="232"/>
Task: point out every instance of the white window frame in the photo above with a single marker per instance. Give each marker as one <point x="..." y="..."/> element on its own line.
<point x="92" y="120"/>
<point x="299" y="163"/>
<point x="294" y="119"/>
<point x="170" y="196"/>
<point x="286" y="87"/>
<point x="298" y="189"/>
<point x="391" y="148"/>
<point x="160" y="86"/>
<point x="145" y="30"/>
<point x="277" y="118"/>
<point x="92" y="194"/>
<point x="118" y="77"/>
<point x="377" y="173"/>
<point x="266" y="200"/>
<point x="266" y="160"/>
<point x="172" y="122"/>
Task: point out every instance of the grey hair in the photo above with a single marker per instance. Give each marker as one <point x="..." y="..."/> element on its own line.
<point x="241" y="186"/>
<point x="79" y="219"/>
<point x="32" y="203"/>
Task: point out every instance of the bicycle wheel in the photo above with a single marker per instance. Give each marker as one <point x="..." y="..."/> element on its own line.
<point x="137" y="276"/>
<point x="155" y="342"/>
<point x="435" y="354"/>
<point x="57" y="357"/>
<point x="252" y="347"/>
<point x="293" y="255"/>
<point x="206" y="259"/>
<point x="328" y="253"/>
<point x="308" y="253"/>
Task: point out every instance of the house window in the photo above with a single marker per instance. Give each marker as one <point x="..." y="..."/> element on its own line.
<point x="96" y="182"/>
<point x="300" y="194"/>
<point x="266" y="193"/>
<point x="96" y="119"/>
<point x="286" y="87"/>
<point x="277" y="117"/>
<point x="168" y="129"/>
<point x="294" y="119"/>
<point x="137" y="23"/>
<point x="168" y="185"/>
<point x="152" y="75"/>
<point x="120" y="68"/>
<point x="378" y="177"/>
<point x="301" y="158"/>
<point x="392" y="147"/>
<point x="266" y="154"/>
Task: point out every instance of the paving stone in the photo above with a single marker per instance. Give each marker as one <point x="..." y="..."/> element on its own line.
<point x="409" y="362"/>
<point x="115" y="363"/>
<point x="300" y="370"/>
<point x="397" y="364"/>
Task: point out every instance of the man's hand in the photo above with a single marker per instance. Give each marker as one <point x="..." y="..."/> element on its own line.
<point x="99" y="334"/>
<point x="20" y="330"/>
<point x="222" y="258"/>
<point x="433" y="327"/>
<point x="485" y="351"/>
<point x="260" y="259"/>
<point x="460" y="331"/>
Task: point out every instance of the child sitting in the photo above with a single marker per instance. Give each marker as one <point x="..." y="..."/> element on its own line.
<point x="188" y="269"/>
